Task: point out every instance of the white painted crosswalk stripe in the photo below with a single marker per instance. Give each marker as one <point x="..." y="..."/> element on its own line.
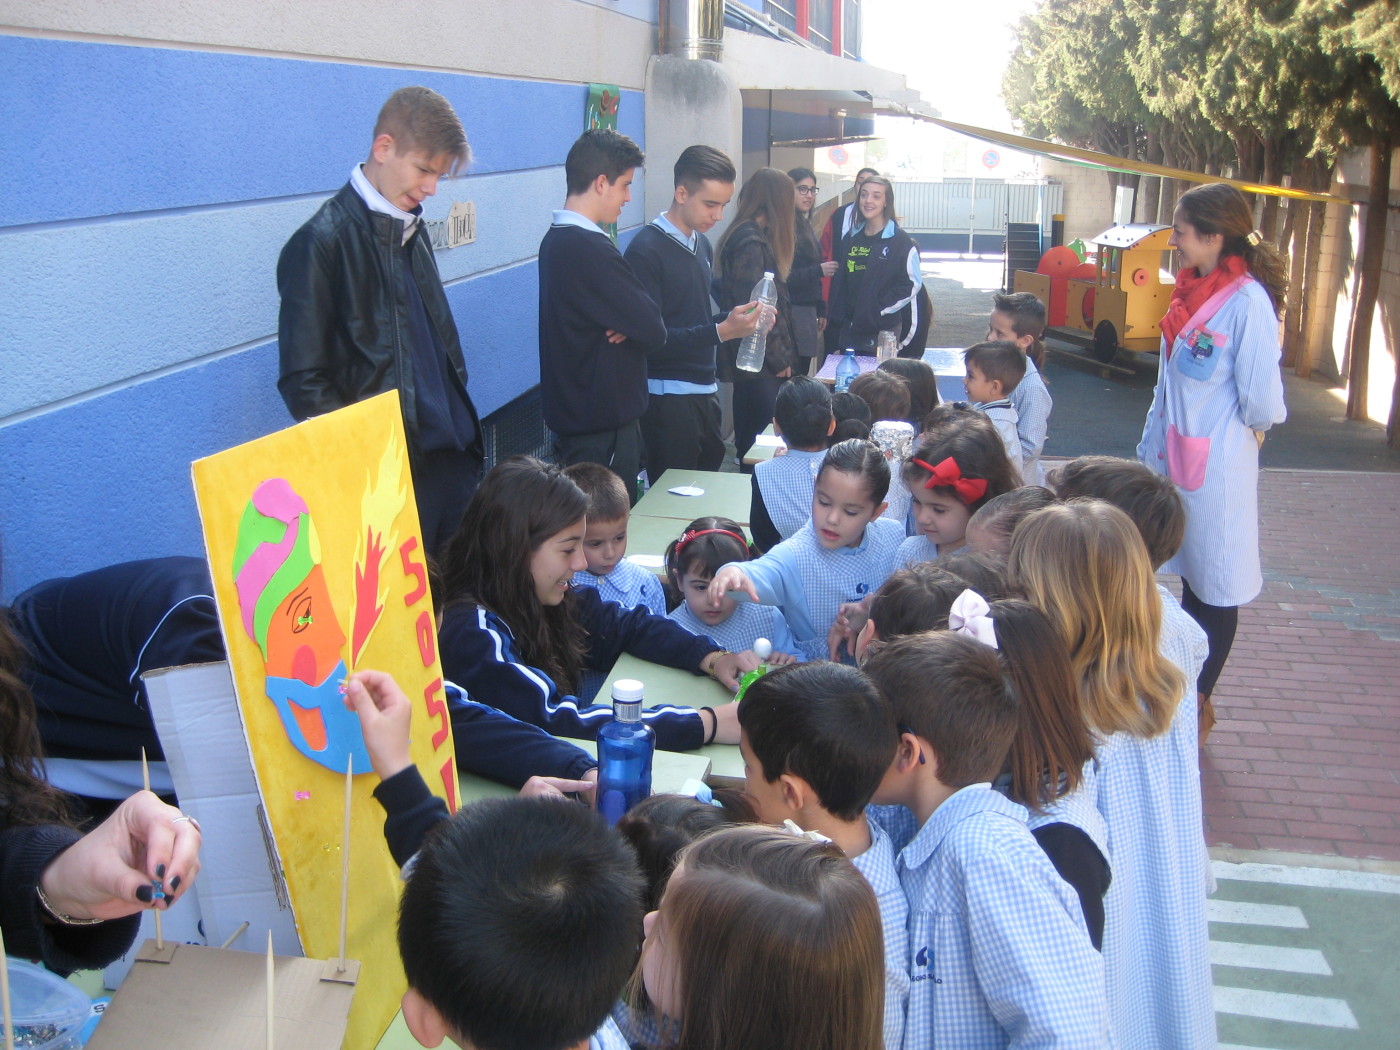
<point x="1284" y="1006"/>
<point x="1269" y="957"/>
<point x="1283" y="915"/>
<point x="1320" y="878"/>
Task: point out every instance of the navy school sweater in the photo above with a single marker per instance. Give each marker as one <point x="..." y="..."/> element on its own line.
<point x="588" y="384"/>
<point x="679" y="281"/>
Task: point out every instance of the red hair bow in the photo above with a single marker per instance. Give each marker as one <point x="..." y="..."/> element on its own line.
<point x="947" y="475"/>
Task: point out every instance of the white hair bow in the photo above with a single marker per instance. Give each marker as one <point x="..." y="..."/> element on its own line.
<point x="969" y="616"/>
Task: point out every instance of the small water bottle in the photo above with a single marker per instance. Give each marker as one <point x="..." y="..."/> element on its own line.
<point x="846" y="370"/>
<point x="755" y="344"/>
<point x="625" y="747"/>
<point x="885" y="345"/>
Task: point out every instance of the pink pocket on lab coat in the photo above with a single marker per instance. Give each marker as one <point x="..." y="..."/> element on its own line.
<point x="1186" y="459"/>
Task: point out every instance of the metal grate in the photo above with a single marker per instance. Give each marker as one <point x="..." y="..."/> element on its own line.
<point x="517" y="428"/>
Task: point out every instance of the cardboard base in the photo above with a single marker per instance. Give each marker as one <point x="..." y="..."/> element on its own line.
<point x="216" y="999"/>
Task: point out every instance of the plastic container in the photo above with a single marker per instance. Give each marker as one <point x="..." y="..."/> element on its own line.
<point x="886" y="345"/>
<point x="755" y="345"/>
<point x="846" y="370"/>
<point x="48" y="1011"/>
<point x="763" y="649"/>
<point x="625" y="749"/>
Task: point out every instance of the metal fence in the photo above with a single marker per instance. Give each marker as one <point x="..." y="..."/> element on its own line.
<point x="975" y="207"/>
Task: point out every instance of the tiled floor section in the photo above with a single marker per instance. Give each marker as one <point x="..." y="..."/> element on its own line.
<point x="1306" y="754"/>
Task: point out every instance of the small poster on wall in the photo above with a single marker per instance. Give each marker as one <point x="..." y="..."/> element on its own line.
<point x="601" y="112"/>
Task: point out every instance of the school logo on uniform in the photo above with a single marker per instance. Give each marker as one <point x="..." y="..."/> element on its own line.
<point x="921" y="956"/>
<point x="885" y="252"/>
<point x="922" y="961"/>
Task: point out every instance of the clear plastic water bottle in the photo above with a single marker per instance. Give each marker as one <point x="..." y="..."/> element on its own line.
<point x="846" y="370"/>
<point x="755" y="344"/>
<point x="625" y="747"/>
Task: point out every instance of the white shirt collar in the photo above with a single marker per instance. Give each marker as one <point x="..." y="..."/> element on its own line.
<point x="665" y="225"/>
<point x="375" y="201"/>
<point x="565" y="217"/>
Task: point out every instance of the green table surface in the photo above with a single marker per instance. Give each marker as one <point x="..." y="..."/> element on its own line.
<point x="764" y="447"/>
<point x="725" y="495"/>
<point x="666" y="685"/>
<point x="647" y="539"/>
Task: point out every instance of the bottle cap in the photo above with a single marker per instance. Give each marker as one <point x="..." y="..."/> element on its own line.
<point x="766" y="275"/>
<point x="762" y="648"/>
<point x="627" y="691"/>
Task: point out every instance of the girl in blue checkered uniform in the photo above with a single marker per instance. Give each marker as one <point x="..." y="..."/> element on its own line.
<point x="692" y="560"/>
<point x="843" y="554"/>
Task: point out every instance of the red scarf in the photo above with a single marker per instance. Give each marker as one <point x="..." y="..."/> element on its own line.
<point x="1192" y="291"/>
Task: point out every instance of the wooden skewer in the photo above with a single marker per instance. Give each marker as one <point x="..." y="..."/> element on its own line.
<point x="345" y="863"/>
<point x="5" y="996"/>
<point x="236" y="934"/>
<point x="269" y="990"/>
<point x="146" y="783"/>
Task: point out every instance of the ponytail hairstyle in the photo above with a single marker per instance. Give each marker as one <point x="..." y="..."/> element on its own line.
<point x="520" y="504"/>
<point x="25" y="796"/>
<point x="1052" y="742"/>
<point x="975" y="449"/>
<point x="1218" y="207"/>
<point x="811" y="975"/>
<point x="863" y="459"/>
<point x="706" y="545"/>
<point x="1084" y="565"/>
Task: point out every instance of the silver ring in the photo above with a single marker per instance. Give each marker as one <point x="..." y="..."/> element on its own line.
<point x="190" y="819"/>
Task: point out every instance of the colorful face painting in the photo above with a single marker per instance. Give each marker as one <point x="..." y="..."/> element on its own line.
<point x="286" y="609"/>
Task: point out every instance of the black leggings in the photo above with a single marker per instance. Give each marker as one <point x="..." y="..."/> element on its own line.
<point x="1219" y="622"/>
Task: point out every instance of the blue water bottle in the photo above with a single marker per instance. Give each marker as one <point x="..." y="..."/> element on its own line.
<point x="625" y="747"/>
<point x="846" y="370"/>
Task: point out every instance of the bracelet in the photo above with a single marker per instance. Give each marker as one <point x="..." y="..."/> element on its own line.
<point x="718" y="655"/>
<point x="714" y="724"/>
<point x="66" y="920"/>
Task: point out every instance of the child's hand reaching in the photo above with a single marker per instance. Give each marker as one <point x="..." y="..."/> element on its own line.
<point x="558" y="787"/>
<point x="728" y="668"/>
<point x="731" y="578"/>
<point x="385" y="713"/>
<point x="780" y="659"/>
<point x="850" y="621"/>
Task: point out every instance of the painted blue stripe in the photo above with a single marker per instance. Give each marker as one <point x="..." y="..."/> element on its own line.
<point x="109" y="301"/>
<point x="107" y="479"/>
<point x="107" y="129"/>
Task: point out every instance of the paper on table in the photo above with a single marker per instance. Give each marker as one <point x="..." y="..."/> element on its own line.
<point x="646" y="561"/>
<point x="686" y="490"/>
<point x="769" y="440"/>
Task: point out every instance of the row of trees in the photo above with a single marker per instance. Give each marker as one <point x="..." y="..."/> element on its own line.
<point x="1266" y="90"/>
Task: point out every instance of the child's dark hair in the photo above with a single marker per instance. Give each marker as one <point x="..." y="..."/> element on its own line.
<point x="948" y="413"/>
<point x="948" y="689"/>
<point x="1053" y="742"/>
<point x="500" y="901"/>
<point x="823" y="722"/>
<point x="999" y="362"/>
<point x="886" y="394"/>
<point x="704" y="547"/>
<point x="659" y="827"/>
<point x="923" y="385"/>
<point x="1148" y="498"/>
<point x="1027" y="315"/>
<point x="803" y="412"/>
<point x="915" y="599"/>
<point x="606" y="492"/>
<point x="600" y="151"/>
<point x="1001" y="514"/>
<point x="984" y="573"/>
<point x="847" y="405"/>
<point x="977" y="454"/>
<point x="850" y="430"/>
<point x="861" y="458"/>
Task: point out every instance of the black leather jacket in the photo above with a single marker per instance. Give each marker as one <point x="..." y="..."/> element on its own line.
<point x="342" y="332"/>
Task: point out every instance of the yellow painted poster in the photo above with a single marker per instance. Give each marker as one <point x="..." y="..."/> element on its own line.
<point x="314" y="546"/>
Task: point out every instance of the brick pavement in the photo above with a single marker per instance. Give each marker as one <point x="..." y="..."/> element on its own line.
<point x="1306" y="754"/>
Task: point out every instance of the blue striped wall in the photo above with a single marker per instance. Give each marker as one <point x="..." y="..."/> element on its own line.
<point x="147" y="199"/>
